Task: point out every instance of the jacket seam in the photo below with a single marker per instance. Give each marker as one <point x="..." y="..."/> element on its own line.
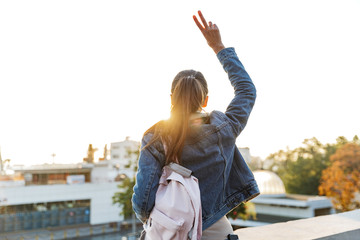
<point x="225" y="162"/>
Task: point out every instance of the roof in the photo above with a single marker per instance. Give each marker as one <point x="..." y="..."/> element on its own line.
<point x="269" y="183"/>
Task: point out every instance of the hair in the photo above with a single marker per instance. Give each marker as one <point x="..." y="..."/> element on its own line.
<point x="188" y="93"/>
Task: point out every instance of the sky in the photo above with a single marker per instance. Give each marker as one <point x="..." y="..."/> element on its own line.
<point x="79" y="72"/>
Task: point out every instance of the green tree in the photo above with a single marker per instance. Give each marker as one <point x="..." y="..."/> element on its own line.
<point x="123" y="197"/>
<point x="301" y="168"/>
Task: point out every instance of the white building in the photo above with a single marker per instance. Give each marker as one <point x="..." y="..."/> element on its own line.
<point x="53" y="195"/>
<point x="273" y="205"/>
<point x="94" y="198"/>
<point x="124" y="153"/>
<point x="122" y="162"/>
<point x="57" y="195"/>
<point x="245" y="153"/>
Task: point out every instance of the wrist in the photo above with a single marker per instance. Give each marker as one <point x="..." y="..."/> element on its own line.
<point x="218" y="48"/>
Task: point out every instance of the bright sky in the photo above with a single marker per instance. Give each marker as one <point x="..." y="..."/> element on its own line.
<point x="78" y="72"/>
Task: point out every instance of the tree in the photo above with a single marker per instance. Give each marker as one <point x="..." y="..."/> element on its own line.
<point x="341" y="180"/>
<point x="300" y="169"/>
<point x="123" y="198"/>
<point x="244" y="211"/>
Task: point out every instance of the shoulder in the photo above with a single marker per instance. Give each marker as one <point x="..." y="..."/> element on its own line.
<point x="151" y="146"/>
<point x="156" y="127"/>
<point x="150" y="133"/>
<point x="218" y="118"/>
<point x="222" y="124"/>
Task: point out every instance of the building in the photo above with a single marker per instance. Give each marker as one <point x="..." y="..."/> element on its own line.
<point x="122" y="162"/>
<point x="48" y="174"/>
<point x="273" y="205"/>
<point x="57" y="195"/>
<point x="245" y="153"/>
<point x="125" y="154"/>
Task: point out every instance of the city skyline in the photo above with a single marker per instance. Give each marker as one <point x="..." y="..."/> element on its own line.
<point x="80" y="73"/>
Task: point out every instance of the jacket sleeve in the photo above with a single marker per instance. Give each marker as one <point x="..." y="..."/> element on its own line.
<point x="241" y="105"/>
<point x="147" y="181"/>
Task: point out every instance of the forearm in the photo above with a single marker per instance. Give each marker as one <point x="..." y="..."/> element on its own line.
<point x="237" y="74"/>
<point x="241" y="105"/>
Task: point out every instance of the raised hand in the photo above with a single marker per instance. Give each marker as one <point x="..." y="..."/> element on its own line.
<point x="211" y="33"/>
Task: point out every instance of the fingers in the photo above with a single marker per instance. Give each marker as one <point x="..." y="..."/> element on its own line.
<point x="203" y="19"/>
<point x="204" y="24"/>
<point x="204" y="27"/>
<point x="198" y="23"/>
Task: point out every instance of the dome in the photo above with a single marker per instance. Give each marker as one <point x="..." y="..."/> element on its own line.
<point x="269" y="183"/>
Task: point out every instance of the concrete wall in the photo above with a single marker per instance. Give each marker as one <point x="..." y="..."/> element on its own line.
<point x="343" y="226"/>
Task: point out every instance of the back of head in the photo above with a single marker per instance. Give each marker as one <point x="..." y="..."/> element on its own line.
<point x="190" y="73"/>
<point x="188" y="93"/>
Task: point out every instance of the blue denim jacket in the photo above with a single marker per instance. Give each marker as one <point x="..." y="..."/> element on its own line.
<point x="210" y="152"/>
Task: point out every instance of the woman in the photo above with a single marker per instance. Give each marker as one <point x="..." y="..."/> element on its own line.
<point x="203" y="143"/>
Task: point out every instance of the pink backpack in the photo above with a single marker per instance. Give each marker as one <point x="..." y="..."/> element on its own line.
<point x="177" y="211"/>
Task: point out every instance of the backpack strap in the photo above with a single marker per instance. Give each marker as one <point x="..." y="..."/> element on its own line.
<point x="183" y="171"/>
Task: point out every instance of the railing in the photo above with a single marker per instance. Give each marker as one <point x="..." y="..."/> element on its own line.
<point x="70" y="233"/>
<point x="42" y="219"/>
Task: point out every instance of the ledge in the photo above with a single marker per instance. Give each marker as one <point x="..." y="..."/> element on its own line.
<point x="344" y="226"/>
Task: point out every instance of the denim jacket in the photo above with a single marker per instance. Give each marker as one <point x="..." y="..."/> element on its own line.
<point x="210" y="152"/>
